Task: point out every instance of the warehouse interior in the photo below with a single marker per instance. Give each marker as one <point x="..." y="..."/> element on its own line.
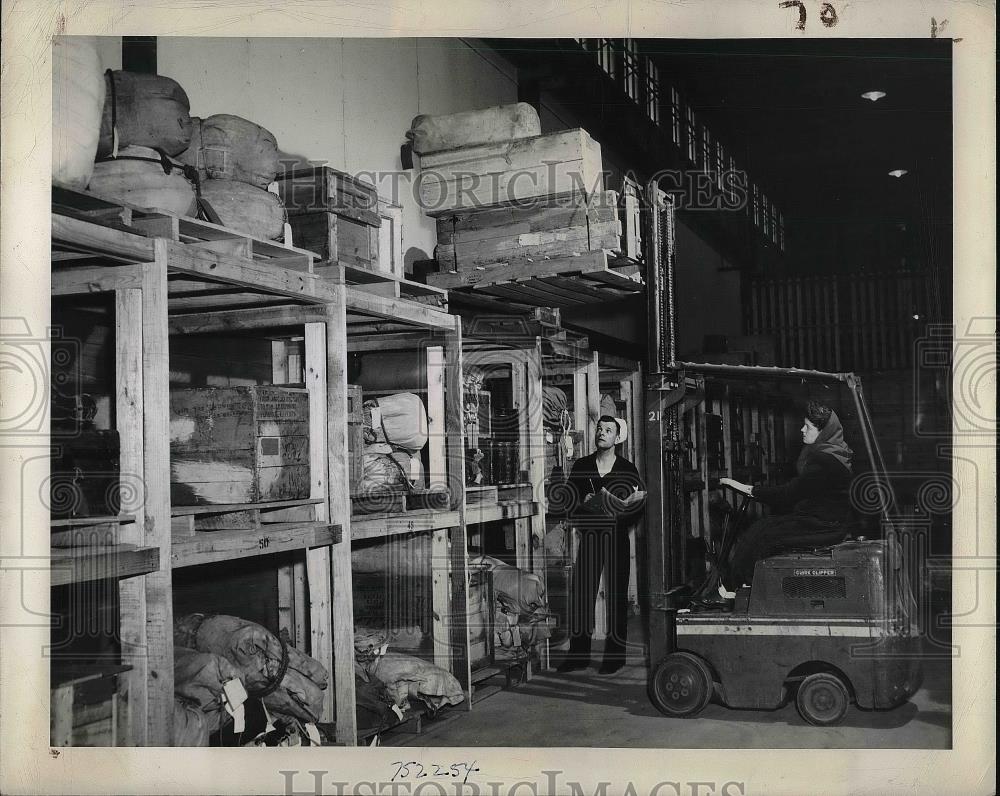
<point x="311" y="422"/>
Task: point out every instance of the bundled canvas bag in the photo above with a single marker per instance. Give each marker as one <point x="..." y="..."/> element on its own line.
<point x="518" y="591"/>
<point x="288" y="681"/>
<point x="406" y="677"/>
<point x="497" y="124"/>
<point x="245" y="208"/>
<point x="199" y="678"/>
<point x="77" y="104"/>
<point x="227" y="147"/>
<point x="144" y="110"/>
<point x="190" y="724"/>
<point x="399" y="420"/>
<point x="143" y="177"/>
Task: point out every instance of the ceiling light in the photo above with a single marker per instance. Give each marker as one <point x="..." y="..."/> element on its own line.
<point x="874" y="96"/>
<point x="897" y="173"/>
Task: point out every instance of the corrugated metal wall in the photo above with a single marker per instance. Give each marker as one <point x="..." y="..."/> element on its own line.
<point x="861" y="322"/>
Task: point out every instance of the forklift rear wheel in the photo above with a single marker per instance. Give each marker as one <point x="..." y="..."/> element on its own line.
<point x="681" y="685"/>
<point x="822" y="699"/>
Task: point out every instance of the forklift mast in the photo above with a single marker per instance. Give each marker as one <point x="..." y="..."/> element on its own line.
<point x="665" y="553"/>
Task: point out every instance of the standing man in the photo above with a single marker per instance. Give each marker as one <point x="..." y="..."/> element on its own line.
<point x="605" y="498"/>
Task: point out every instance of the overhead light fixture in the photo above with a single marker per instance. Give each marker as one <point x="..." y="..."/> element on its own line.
<point x="897" y="173"/>
<point x="873" y="96"/>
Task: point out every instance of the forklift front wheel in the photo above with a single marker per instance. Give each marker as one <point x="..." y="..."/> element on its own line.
<point x="681" y="685"/>
<point x="822" y="699"/>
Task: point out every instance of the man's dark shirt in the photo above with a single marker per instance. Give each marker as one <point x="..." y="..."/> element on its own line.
<point x="621" y="481"/>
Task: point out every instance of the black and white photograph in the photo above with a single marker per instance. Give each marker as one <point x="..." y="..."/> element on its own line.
<point x="404" y="398"/>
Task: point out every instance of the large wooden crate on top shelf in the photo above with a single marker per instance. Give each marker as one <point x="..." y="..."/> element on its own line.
<point x="553" y="227"/>
<point x="233" y="445"/>
<point x="544" y="165"/>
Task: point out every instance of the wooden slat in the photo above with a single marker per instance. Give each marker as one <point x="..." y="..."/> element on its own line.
<point x="108" y="242"/>
<point x="95" y="279"/>
<point x="459" y="563"/>
<point x="74" y="565"/>
<point x="399" y="310"/>
<point x="156" y="471"/>
<point x="129" y="413"/>
<point x="338" y="479"/>
<point x="223" y="508"/>
<point x="227" y="269"/>
<point x="319" y="564"/>
<point x="376" y="526"/>
<point x="215" y="546"/>
<point x="239" y="320"/>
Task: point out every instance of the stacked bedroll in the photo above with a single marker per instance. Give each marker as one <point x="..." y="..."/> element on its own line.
<point x="525" y="198"/>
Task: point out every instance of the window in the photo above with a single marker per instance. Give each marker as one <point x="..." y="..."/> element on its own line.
<point x="692" y="136"/>
<point x="781" y="231"/>
<point x="706" y="149"/>
<point x="652" y="91"/>
<point x="676" y="116"/>
<point x="720" y="163"/>
<point x="755" y="207"/>
<point x="765" y="216"/>
<point x="630" y="68"/>
<point x="774" y="225"/>
<point x="606" y="56"/>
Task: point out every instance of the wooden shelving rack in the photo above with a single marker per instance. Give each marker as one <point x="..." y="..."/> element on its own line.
<point x="170" y="277"/>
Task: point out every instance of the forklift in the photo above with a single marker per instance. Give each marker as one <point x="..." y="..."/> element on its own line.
<point x="826" y="627"/>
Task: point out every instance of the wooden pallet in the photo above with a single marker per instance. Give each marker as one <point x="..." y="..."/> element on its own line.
<point x="517" y="493"/>
<point x="189" y="520"/>
<point x="101" y="562"/>
<point x="590" y="278"/>
<point x="183" y="229"/>
<point x="87" y="531"/>
<point x="480" y="495"/>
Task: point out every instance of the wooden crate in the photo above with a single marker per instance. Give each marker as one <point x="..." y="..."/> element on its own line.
<point x="87" y="707"/>
<point x="323" y="188"/>
<point x="355" y="436"/>
<point x="558" y="227"/>
<point x="545" y="165"/>
<point x="337" y="238"/>
<point x="238" y="445"/>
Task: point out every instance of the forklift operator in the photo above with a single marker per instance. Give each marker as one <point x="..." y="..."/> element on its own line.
<point x="811" y="510"/>
<point x="605" y="498"/>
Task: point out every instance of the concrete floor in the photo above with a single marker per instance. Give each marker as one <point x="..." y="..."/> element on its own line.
<point x="614" y="711"/>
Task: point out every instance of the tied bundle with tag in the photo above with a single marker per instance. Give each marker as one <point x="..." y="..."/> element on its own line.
<point x="211" y="683"/>
<point x="287" y="680"/>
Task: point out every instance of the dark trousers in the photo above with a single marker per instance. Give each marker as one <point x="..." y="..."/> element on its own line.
<point x="771" y="535"/>
<point x="608" y="550"/>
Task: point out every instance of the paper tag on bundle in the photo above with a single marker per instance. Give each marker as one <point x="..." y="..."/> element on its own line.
<point x="383" y="649"/>
<point x="376" y="419"/>
<point x="268" y="722"/>
<point x="313" y="734"/>
<point x="234" y="695"/>
<point x="397" y="711"/>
